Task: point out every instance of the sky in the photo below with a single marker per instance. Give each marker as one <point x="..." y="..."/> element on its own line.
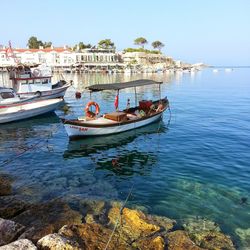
<point x="216" y="32"/>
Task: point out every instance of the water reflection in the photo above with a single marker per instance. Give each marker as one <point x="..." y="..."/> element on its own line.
<point x="80" y="81"/>
<point x="19" y="136"/>
<point x="128" y="163"/>
<point x="87" y="146"/>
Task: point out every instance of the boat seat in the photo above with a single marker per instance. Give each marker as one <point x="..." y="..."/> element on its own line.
<point x="118" y="116"/>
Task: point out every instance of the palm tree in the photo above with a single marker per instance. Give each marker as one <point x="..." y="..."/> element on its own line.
<point x="140" y="41"/>
<point x="157" y="45"/>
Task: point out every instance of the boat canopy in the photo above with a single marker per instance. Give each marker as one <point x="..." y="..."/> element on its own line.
<point x="123" y="85"/>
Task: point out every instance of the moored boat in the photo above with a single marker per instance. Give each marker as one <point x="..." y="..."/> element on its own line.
<point x="13" y="108"/>
<point x="36" y="79"/>
<point x="119" y="121"/>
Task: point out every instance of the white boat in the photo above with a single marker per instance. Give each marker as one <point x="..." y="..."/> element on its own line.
<point x="119" y="121"/>
<point x="36" y="79"/>
<point x="13" y="108"/>
<point x="89" y="145"/>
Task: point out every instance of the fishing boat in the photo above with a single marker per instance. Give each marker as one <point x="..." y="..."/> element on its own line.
<point x="89" y="145"/>
<point x="118" y="121"/>
<point x="14" y="108"/>
<point x="28" y="80"/>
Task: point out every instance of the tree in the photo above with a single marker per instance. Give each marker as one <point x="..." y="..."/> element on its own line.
<point x="140" y="41"/>
<point x="157" y="45"/>
<point x="106" y="44"/>
<point x="81" y="46"/>
<point x="47" y="44"/>
<point x="84" y="46"/>
<point x="33" y="43"/>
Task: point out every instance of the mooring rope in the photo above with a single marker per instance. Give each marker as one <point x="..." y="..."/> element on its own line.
<point x="119" y="216"/>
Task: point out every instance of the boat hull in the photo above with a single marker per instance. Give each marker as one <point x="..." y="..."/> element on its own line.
<point x="75" y="131"/>
<point x="25" y="111"/>
<point x="49" y="94"/>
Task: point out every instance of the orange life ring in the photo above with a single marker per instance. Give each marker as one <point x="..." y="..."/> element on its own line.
<point x="88" y="112"/>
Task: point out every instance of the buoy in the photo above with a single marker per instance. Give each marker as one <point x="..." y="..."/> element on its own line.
<point x="78" y="95"/>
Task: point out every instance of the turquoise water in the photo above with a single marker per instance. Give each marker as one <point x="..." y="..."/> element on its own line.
<point x="198" y="164"/>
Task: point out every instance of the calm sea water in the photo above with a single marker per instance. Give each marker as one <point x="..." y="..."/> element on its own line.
<point x="195" y="162"/>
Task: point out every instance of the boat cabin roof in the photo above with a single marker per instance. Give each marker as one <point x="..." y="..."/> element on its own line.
<point x="123" y="85"/>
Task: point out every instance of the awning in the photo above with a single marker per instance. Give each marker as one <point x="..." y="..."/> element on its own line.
<point x="123" y="85"/>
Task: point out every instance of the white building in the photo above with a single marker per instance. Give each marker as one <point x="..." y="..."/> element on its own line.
<point x="61" y="57"/>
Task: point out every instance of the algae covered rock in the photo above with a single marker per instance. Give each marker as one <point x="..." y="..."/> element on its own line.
<point x="179" y="240"/>
<point x="9" y="231"/>
<point x="22" y="244"/>
<point x="207" y="234"/>
<point x="131" y="223"/>
<point x="93" y="236"/>
<point x="155" y="243"/>
<point x="164" y="222"/>
<point x="214" y="240"/>
<point x="44" y="219"/>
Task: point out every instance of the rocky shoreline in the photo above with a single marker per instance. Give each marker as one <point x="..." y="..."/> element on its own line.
<point x="94" y="224"/>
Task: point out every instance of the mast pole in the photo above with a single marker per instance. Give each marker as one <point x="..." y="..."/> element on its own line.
<point x="135" y="97"/>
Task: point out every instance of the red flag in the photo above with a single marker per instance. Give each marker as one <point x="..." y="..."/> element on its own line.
<point x="116" y="101"/>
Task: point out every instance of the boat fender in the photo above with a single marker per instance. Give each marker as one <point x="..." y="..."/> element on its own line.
<point x="36" y="72"/>
<point x="89" y="113"/>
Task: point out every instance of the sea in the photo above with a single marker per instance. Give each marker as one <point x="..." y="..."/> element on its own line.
<point x="194" y="163"/>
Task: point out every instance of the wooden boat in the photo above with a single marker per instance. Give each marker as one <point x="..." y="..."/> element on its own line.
<point x="13" y="108"/>
<point x="119" y="121"/>
<point x="36" y="79"/>
<point x="89" y="145"/>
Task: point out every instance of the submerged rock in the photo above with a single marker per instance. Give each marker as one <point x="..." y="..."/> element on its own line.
<point x="11" y="206"/>
<point x="207" y="234"/>
<point x="9" y="231"/>
<point x="46" y="219"/>
<point x="193" y="225"/>
<point x="131" y="223"/>
<point x="5" y="185"/>
<point x="179" y="240"/>
<point x="22" y="244"/>
<point x="213" y="240"/>
<point x="155" y="243"/>
<point x="244" y="235"/>
<point x="164" y="222"/>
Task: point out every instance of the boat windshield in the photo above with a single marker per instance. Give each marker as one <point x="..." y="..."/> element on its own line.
<point x="7" y="95"/>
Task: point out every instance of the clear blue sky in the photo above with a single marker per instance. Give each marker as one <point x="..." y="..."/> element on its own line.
<point x="212" y="31"/>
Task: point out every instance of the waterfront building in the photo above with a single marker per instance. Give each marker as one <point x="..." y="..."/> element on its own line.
<point x="53" y="57"/>
<point x="144" y="58"/>
<point x="63" y="58"/>
<point x="85" y="60"/>
<point x="97" y="58"/>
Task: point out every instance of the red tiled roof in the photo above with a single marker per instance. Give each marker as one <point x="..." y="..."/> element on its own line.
<point x="60" y="49"/>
